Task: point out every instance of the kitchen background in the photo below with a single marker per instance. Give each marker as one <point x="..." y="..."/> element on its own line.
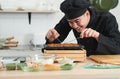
<point x="16" y="23"/>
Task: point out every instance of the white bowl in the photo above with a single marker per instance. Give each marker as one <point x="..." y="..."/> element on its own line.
<point x="44" y="58"/>
<point x="65" y="60"/>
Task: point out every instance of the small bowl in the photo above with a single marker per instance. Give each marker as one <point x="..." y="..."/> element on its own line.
<point x="65" y="60"/>
<point x="43" y="58"/>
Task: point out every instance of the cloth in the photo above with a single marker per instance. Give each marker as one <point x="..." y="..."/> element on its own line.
<point x="103" y="22"/>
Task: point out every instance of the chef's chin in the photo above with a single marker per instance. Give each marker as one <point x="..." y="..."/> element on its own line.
<point x="79" y="30"/>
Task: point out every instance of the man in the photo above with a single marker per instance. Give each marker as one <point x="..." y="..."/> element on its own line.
<point x="96" y="30"/>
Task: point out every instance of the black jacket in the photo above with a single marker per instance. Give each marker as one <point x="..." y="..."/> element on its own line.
<point x="103" y="22"/>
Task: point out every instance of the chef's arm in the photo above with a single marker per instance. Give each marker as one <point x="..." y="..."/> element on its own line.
<point x="108" y="45"/>
<point x="63" y="29"/>
<point x="110" y="42"/>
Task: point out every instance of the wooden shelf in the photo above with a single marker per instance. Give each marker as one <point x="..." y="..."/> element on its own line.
<point x="29" y="12"/>
<point x="24" y="11"/>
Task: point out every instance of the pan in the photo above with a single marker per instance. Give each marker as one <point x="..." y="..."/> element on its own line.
<point x="63" y="46"/>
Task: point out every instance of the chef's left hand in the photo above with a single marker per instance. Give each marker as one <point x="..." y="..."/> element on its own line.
<point x="88" y="32"/>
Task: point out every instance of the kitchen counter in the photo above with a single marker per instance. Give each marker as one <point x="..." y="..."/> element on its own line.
<point x="78" y="72"/>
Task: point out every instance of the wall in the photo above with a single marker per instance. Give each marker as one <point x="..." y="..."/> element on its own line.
<point x="16" y="24"/>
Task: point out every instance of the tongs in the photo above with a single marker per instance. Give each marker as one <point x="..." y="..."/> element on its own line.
<point x="68" y="41"/>
<point x="73" y="40"/>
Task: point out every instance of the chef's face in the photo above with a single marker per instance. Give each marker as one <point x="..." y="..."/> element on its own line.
<point x="80" y="23"/>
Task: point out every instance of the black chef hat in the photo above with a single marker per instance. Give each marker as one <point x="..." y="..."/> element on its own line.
<point x="74" y="8"/>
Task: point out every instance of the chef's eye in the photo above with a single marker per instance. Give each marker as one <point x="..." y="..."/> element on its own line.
<point x="77" y="21"/>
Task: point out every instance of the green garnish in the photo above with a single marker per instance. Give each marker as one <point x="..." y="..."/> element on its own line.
<point x="11" y="66"/>
<point x="66" y="67"/>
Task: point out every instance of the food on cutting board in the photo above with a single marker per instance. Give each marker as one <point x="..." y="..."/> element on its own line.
<point x="63" y="45"/>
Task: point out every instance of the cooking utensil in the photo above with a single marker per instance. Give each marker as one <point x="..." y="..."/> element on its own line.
<point x="73" y="40"/>
<point x="65" y="46"/>
<point x="59" y="40"/>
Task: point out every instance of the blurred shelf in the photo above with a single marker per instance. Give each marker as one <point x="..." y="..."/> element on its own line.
<point x="30" y="11"/>
<point x="26" y="11"/>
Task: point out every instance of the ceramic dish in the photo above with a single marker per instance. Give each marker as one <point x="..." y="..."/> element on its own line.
<point x="65" y="60"/>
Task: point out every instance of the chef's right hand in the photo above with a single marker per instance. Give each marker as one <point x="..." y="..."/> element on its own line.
<point x="52" y="34"/>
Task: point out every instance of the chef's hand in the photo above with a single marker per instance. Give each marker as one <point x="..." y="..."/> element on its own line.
<point x="88" y="32"/>
<point x="52" y="34"/>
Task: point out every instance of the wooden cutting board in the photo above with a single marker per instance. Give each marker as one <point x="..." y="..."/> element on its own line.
<point x="65" y="51"/>
<point x="107" y="59"/>
<point x="78" y="55"/>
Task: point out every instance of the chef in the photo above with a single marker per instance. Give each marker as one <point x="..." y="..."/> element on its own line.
<point x="96" y="30"/>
